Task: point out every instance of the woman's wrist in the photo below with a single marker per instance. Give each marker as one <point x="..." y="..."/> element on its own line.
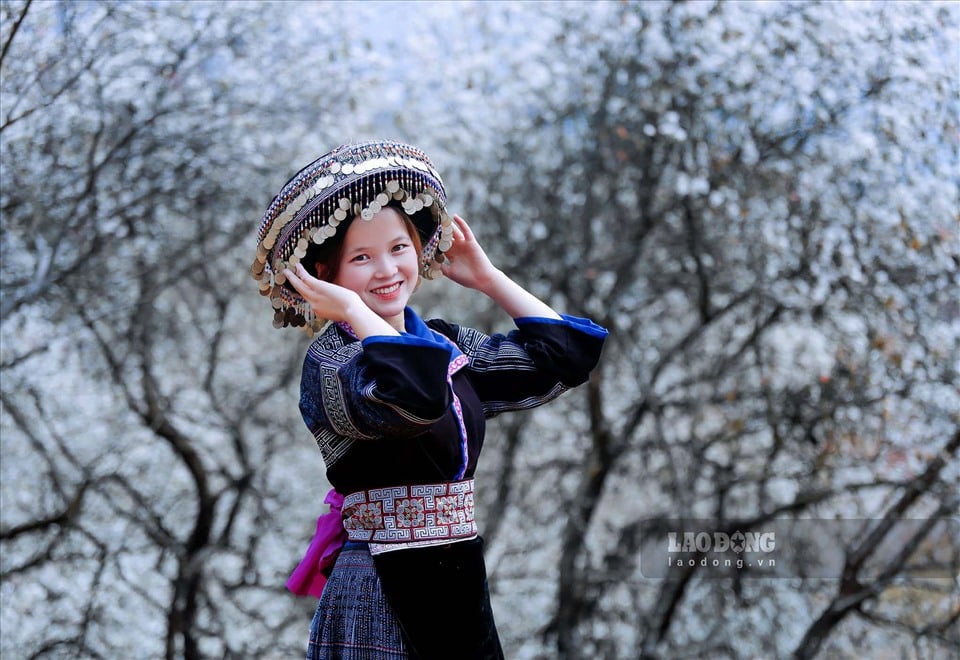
<point x="365" y="322"/>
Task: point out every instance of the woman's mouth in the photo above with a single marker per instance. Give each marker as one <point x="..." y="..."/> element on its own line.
<point x="386" y="290"/>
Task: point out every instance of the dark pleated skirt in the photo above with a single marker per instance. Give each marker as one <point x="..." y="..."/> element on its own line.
<point x="354" y="621"/>
<point x="425" y="604"/>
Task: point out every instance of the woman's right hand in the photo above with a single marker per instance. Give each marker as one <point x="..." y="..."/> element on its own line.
<point x="336" y="303"/>
<point x="327" y="300"/>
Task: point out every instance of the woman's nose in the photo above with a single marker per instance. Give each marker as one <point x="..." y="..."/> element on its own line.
<point x="386" y="267"/>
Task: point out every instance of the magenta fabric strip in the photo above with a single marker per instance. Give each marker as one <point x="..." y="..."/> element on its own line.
<point x="456" y="364"/>
<point x="311" y="574"/>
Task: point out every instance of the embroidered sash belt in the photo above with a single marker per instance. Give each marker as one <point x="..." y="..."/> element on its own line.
<point x="401" y="517"/>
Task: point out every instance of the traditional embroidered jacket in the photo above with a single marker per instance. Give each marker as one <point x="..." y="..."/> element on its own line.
<point x="382" y="410"/>
<point x="391" y="411"/>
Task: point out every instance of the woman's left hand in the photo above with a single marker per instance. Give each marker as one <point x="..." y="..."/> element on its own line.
<point x="466" y="263"/>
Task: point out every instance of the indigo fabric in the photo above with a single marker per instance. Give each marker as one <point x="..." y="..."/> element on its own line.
<point x="354" y="621"/>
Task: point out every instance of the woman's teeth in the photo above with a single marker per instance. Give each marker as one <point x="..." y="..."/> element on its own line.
<point x="387" y="289"/>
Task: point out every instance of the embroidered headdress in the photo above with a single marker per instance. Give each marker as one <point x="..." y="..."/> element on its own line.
<point x="352" y="180"/>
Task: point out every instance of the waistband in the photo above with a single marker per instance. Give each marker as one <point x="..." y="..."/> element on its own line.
<point x="401" y="517"/>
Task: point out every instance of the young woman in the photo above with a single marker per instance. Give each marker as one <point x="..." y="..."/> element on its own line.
<point x="398" y="405"/>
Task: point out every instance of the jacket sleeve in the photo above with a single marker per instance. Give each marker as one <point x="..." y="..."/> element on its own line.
<point x="531" y="365"/>
<point x="380" y="387"/>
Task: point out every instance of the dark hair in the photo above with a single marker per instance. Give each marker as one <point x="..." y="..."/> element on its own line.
<point x="327" y="254"/>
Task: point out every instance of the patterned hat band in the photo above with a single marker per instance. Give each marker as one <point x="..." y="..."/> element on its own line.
<point x="352" y="181"/>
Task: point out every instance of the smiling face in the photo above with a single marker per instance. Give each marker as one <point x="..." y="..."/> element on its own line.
<point x="380" y="261"/>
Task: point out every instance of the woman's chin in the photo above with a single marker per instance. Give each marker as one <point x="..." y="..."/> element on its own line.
<point x="389" y="309"/>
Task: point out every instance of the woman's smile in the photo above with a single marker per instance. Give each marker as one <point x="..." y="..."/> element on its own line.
<point x="388" y="291"/>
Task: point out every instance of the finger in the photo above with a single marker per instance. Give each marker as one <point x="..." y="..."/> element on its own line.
<point x="295" y="281"/>
<point x="464" y="228"/>
<point x="301" y="280"/>
<point x="307" y="276"/>
<point x="458" y="234"/>
<point x="308" y="281"/>
<point x="303" y="274"/>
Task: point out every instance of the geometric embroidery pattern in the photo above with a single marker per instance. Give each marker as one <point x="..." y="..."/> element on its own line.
<point x="410" y="516"/>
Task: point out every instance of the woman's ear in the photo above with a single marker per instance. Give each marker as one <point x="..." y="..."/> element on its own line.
<point x="322" y="271"/>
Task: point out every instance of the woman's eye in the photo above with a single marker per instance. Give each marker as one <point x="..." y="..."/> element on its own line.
<point x="359" y="258"/>
<point x="399" y="246"/>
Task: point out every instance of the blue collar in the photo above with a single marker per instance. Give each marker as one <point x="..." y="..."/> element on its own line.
<point x="415" y="326"/>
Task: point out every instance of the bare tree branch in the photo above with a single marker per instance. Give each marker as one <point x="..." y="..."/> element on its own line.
<point x="14" y="30"/>
<point x="852" y="592"/>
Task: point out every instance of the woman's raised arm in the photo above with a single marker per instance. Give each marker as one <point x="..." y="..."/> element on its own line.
<point x="468" y="265"/>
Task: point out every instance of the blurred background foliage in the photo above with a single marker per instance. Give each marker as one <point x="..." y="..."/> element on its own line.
<point x="759" y="200"/>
